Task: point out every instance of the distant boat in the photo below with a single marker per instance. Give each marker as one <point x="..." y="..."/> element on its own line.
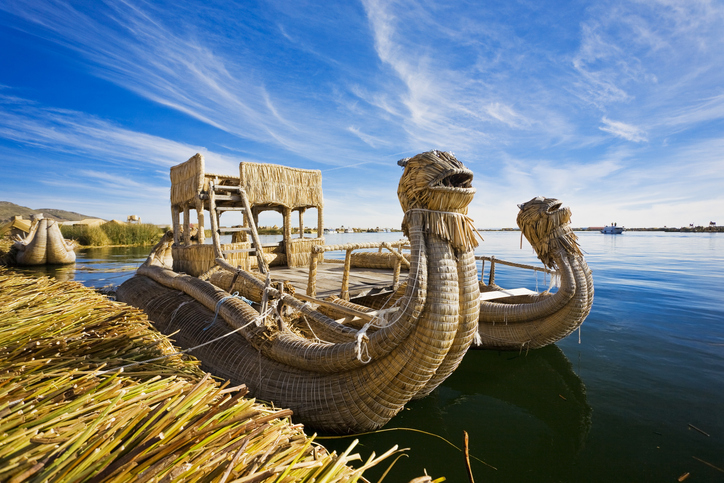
<point x="612" y="229"/>
<point x="43" y="245"/>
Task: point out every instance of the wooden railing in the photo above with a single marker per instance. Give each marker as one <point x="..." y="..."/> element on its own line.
<point x="493" y="261"/>
<point x="394" y="247"/>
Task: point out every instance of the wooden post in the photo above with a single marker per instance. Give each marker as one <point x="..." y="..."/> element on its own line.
<point x="200" y="236"/>
<point x="345" y="277"/>
<point x="287" y="229"/>
<point x="214" y="222"/>
<point x="491" y="276"/>
<point x="320" y="222"/>
<point x="301" y="222"/>
<point x="176" y="224"/>
<point x="396" y="274"/>
<point x="187" y="226"/>
<point x="312" y="283"/>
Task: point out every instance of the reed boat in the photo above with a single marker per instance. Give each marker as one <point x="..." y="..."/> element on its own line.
<point x="44" y="244"/>
<point x="348" y="354"/>
<point x="515" y="319"/>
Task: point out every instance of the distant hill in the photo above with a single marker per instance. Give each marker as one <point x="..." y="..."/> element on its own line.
<point x="8" y="210"/>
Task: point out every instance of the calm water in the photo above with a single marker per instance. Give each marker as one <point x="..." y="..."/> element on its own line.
<point x="615" y="407"/>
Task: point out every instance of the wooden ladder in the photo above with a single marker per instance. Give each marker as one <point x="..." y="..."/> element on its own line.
<point x="238" y="201"/>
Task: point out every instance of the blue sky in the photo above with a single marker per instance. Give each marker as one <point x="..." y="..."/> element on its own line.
<point x="614" y="107"/>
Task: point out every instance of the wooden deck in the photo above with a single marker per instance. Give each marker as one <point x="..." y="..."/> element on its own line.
<point x="329" y="279"/>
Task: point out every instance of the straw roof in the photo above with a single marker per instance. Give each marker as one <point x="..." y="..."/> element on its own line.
<point x="187" y="180"/>
<point x="272" y="184"/>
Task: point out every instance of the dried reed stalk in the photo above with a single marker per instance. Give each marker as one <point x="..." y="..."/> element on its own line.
<point x="68" y="413"/>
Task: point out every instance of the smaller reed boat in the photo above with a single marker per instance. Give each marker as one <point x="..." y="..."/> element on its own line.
<point x="520" y="318"/>
<point x="43" y="245"/>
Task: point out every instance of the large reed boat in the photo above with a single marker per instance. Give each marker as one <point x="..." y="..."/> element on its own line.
<point x="351" y="351"/>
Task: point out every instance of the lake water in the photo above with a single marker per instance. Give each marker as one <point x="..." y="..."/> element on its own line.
<point x="618" y="406"/>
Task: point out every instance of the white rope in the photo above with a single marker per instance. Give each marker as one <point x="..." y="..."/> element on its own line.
<point x="360" y="349"/>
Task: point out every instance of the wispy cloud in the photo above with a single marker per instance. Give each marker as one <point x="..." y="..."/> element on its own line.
<point x="623" y="130"/>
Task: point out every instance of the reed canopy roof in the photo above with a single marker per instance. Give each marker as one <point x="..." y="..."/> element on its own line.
<point x="187" y="180"/>
<point x="266" y="185"/>
<point x="275" y="185"/>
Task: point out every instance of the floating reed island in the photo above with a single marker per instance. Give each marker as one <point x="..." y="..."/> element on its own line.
<point x="90" y="391"/>
<point x="351" y="352"/>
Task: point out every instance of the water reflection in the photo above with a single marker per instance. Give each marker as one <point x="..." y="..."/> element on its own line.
<point x="526" y="414"/>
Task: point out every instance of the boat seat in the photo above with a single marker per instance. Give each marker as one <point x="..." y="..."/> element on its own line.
<point x="500" y="294"/>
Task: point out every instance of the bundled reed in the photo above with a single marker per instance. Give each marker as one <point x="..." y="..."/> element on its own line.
<point x="72" y="409"/>
<point x="198" y="259"/>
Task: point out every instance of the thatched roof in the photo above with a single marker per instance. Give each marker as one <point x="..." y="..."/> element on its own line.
<point x="275" y="185"/>
<point x="187" y="180"/>
<point x="88" y="222"/>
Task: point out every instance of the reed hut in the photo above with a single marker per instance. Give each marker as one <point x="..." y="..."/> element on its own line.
<point x="266" y="187"/>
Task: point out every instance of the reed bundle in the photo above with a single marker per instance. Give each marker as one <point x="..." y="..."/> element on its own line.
<point x="71" y="411"/>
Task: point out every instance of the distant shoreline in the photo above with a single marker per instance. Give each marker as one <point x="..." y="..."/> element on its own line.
<point x="696" y="229"/>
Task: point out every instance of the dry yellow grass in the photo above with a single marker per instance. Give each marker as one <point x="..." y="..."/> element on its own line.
<point x="72" y="409"/>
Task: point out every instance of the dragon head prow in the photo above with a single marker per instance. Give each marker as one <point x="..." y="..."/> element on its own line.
<point x="435" y="180"/>
<point x="545" y="222"/>
<point x="436" y="188"/>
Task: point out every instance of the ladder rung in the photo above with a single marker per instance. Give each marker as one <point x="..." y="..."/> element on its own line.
<point x="218" y="187"/>
<point x="239" y="250"/>
<point x="227" y="198"/>
<point x="228" y="229"/>
<point x="229" y="208"/>
<point x="269" y="245"/>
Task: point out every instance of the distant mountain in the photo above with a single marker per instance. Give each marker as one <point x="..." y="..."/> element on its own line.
<point x="8" y="210"/>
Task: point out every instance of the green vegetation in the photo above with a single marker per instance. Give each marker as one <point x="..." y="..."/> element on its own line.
<point x="113" y="234"/>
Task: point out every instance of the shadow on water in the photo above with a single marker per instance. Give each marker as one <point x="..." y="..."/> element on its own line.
<point x="526" y="414"/>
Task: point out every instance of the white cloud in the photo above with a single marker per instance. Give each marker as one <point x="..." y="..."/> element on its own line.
<point x="623" y="130"/>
